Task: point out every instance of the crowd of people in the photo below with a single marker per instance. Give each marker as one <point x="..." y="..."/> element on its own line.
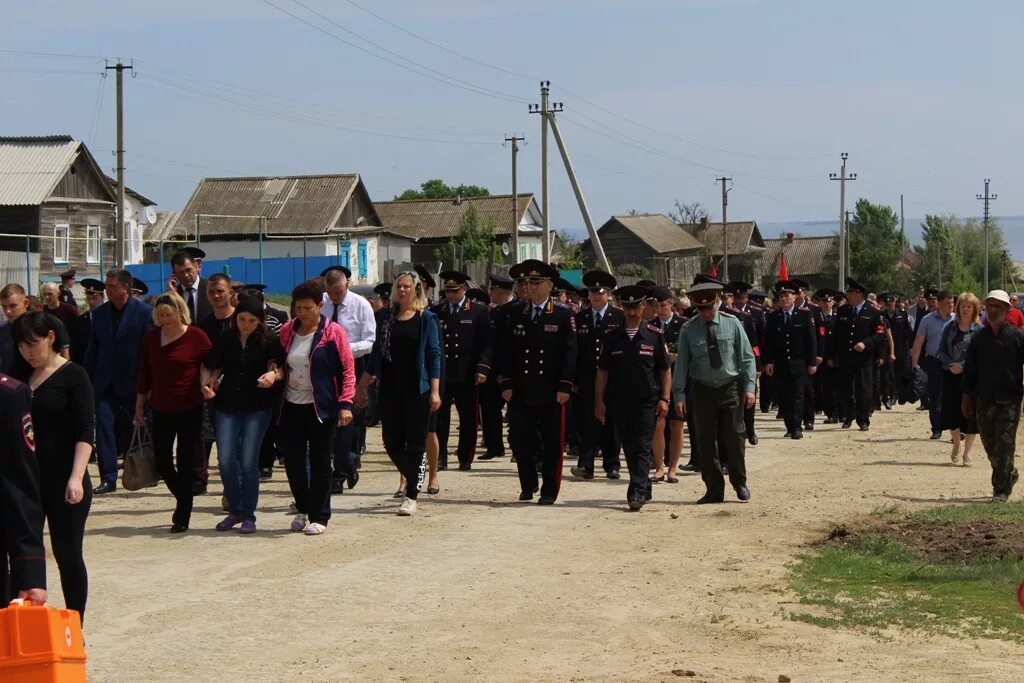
<point x="601" y="372"/>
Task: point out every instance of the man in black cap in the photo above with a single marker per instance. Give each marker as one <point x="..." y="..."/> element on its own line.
<point x="67" y="285"/>
<point x="592" y="326"/>
<point x="538" y="369"/>
<point x="467" y="349"/>
<point x="790" y="354"/>
<point x="140" y="289"/>
<point x="491" y="403"/>
<point x="188" y="282"/>
<point x="825" y="377"/>
<point x="802" y="301"/>
<point x="81" y="327"/>
<point x="897" y="364"/>
<point x="632" y="388"/>
<point x="753" y="325"/>
<point x="858" y="333"/>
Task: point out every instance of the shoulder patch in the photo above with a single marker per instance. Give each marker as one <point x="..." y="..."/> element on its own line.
<point x="654" y="328"/>
<point x="724" y="314"/>
<point x="28" y="433"/>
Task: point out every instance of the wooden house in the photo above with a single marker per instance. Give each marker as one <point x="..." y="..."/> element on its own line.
<point x="670" y="253"/>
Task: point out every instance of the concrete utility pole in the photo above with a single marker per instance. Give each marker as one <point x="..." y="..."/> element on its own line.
<point x="849" y="244"/>
<point x="119" y="216"/>
<point x="725" y="227"/>
<point x="543" y="110"/>
<point x="595" y="241"/>
<point x="843" y="237"/>
<point x="514" y="141"/>
<point x="986" y="221"/>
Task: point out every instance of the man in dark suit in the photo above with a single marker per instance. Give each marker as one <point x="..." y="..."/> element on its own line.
<point x="857" y="335"/>
<point x="188" y="282"/>
<point x="790" y="354"/>
<point x="112" y="361"/>
<point x="81" y="327"/>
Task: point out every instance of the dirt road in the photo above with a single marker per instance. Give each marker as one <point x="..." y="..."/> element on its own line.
<point x="480" y="587"/>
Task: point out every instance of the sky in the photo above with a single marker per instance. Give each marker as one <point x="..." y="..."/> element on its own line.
<point x="661" y="97"/>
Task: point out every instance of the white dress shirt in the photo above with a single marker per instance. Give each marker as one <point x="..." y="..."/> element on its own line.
<point x="355" y="314"/>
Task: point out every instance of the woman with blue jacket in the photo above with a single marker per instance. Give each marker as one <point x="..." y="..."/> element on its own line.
<point x="406" y="362"/>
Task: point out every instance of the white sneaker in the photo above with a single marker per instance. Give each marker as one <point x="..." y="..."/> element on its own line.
<point x="315" y="529"/>
<point x="408" y="508"/>
<point x="299" y="522"/>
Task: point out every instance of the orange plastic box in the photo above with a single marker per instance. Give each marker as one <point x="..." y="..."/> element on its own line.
<point x="41" y="645"/>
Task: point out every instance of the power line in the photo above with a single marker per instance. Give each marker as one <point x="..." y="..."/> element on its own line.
<point x="61" y="55"/>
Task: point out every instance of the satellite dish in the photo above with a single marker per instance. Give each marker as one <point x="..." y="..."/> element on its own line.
<point x="126" y="211"/>
<point x="504" y="248"/>
<point x="149" y="213"/>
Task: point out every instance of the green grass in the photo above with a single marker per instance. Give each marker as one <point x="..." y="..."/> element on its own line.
<point x="1011" y="512"/>
<point x="280" y="300"/>
<point x="876" y="583"/>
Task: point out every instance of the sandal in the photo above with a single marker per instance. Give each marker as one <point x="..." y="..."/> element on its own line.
<point x="672" y="480"/>
<point x="433" y="490"/>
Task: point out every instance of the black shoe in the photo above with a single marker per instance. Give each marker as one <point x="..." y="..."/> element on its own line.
<point x="847" y="423"/>
<point x="490" y="456"/>
<point x="711" y="498"/>
<point x="546" y="500"/>
<point x="888" y="405"/>
<point x="582" y="472"/>
<point x="572" y="449"/>
<point x="752" y="440"/>
<point x="831" y="421"/>
<point x="352" y="479"/>
<point x="266" y="473"/>
<point x="635" y="505"/>
<point x="863" y="426"/>
<point x="809" y="427"/>
<point x="725" y="470"/>
<point x="778" y="415"/>
<point x="198" y="488"/>
<point x="798" y="434"/>
<point x="688" y="467"/>
<point x="743" y="493"/>
<point x="465" y="466"/>
<point x="787" y="435"/>
<point x="935" y="436"/>
<point x="105" y="487"/>
<point x="337" y="485"/>
<point x="441" y="467"/>
<point x="177" y="528"/>
<point x="613" y="474"/>
<point x="526" y="495"/>
<point x="922" y="408"/>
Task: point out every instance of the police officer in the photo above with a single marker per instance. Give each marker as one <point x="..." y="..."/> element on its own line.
<point x="22" y="556"/>
<point x="802" y="301"/>
<point x="902" y="332"/>
<point x="81" y="326"/>
<point x="790" y="354"/>
<point x="491" y="403"/>
<point x="467" y="348"/>
<point x="858" y="334"/>
<point x="632" y="388"/>
<point x="592" y="326"/>
<point x="67" y="284"/>
<point x="755" y="335"/>
<point x="538" y="369"/>
<point x="715" y="359"/>
<point x="825" y="377"/>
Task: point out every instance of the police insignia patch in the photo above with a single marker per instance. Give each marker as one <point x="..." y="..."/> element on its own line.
<point x="28" y="433"/>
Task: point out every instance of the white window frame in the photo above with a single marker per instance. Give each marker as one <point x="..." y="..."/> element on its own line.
<point x="92" y="244"/>
<point x="533" y="251"/>
<point x="522" y="252"/>
<point x="61" y="241"/>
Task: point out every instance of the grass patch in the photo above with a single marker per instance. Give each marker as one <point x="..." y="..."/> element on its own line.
<point x="875" y="583"/>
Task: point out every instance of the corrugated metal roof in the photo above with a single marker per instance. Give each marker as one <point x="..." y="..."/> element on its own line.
<point x="804" y="255"/>
<point x="659" y="232"/>
<point x="296" y="205"/>
<point x="30" y="167"/>
<point x="439" y="218"/>
<point x="744" y="238"/>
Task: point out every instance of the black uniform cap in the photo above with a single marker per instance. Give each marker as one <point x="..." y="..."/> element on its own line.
<point x="425" y="275"/>
<point x="453" y="279"/>
<point x="477" y="294"/>
<point x="631" y="296"/>
<point x="739" y="287"/>
<point x="91" y="285"/>
<point x="67" y="274"/>
<point x="139" y="286"/>
<point x="563" y="285"/>
<point x="194" y="253"/>
<point x="930" y="293"/>
<point x="499" y="281"/>
<point x="887" y="297"/>
<point x="599" y="280"/>
<point x="786" y="286"/>
<point x="660" y="293"/>
<point x="758" y="295"/>
<point x="854" y="286"/>
<point x="342" y="269"/>
<point x="703" y="279"/>
<point x="257" y="286"/>
<point x="383" y="290"/>
<point x="645" y="283"/>
<point x="800" y="283"/>
<point x="533" y="268"/>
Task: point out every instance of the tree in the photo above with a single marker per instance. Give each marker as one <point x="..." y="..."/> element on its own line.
<point x="953" y="255"/>
<point x="688" y="213"/>
<point x="634" y="270"/>
<point x="571" y="254"/>
<point x="473" y="240"/>
<point x="876" y="245"/>
<point x="437" y="189"/>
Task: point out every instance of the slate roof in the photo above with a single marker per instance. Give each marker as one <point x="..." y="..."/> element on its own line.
<point x="659" y="232"/>
<point x="804" y="255"/>
<point x="439" y="218"/>
<point x="31" y="167"/>
<point x="744" y="238"/>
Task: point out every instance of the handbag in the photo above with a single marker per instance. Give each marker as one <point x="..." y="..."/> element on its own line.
<point x="140" y="462"/>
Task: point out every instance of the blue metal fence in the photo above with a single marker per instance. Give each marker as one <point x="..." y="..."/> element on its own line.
<point x="280" y="275"/>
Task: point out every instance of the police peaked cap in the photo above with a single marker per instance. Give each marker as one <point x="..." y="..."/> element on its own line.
<point x="67" y="274"/>
<point x="383" y="290"/>
<point x="632" y="295"/>
<point x="645" y="283"/>
<point x="453" y="279"/>
<point x="854" y="286"/>
<point x="599" y="280"/>
<point x="533" y="268"/>
<point x="139" y="286"/>
<point x="738" y="287"/>
<point x="786" y="286"/>
<point x="702" y="279"/>
<point x="342" y="269"/>
<point x="91" y="285"/>
<point x="499" y="281"/>
<point x="425" y="276"/>
<point x="477" y="294"/>
<point x="660" y="293"/>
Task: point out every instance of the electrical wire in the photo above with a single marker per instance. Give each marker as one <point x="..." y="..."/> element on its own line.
<point x="97" y="109"/>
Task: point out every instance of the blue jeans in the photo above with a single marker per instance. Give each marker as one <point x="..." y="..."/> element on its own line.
<point x="239" y="436"/>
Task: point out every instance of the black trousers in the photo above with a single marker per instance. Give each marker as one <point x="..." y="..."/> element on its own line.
<point x="491" y="405"/>
<point x="807" y="408"/>
<point x="854" y="394"/>
<point x="268" y="448"/>
<point x="635" y="424"/>
<point x="694" y="445"/>
<point x="594" y="435"/>
<point x="187" y="428"/>
<point x="718" y="421"/>
<point x="403" y="424"/>
<point x="767" y="397"/>
<point x="463" y="396"/>
<point x="533" y="426"/>
<point x="67" y="528"/>
<point x="825" y="390"/>
<point x="936" y="382"/>
<point x="300" y="431"/>
<point x="792" y="397"/>
<point x="346" y="439"/>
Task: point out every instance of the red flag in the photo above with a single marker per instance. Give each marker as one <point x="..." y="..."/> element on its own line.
<point x="783" y="270"/>
<point x="713" y="272"/>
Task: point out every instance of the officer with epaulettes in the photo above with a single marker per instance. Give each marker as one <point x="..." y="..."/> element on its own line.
<point x="632" y="388"/>
<point x="790" y="354"/>
<point x="491" y="403"/>
<point x="592" y="326"/>
<point x="67" y="285"/>
<point x="467" y="349"/>
<point x="898" y="364"/>
<point x="803" y="301"/>
<point x="825" y="377"/>
<point x="537" y="375"/>
<point x="856" y="337"/>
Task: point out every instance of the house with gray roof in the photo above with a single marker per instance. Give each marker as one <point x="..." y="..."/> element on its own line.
<point x="806" y="258"/>
<point x="655" y="241"/>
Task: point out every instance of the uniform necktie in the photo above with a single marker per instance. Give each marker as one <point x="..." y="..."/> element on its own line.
<point x="337" y="309"/>
<point x="192" y="304"/>
<point x="787" y="317"/>
<point x="597" y="321"/>
<point x="455" y="309"/>
<point x="713" y="353"/>
<point x="536" y="312"/>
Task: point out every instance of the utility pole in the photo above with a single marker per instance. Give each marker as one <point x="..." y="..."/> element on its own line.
<point x="119" y="216"/>
<point x="986" y="220"/>
<point x="725" y="227"/>
<point x="849" y="244"/>
<point x="514" y="141"/>
<point x="543" y="110"/>
<point x="843" y="237"/>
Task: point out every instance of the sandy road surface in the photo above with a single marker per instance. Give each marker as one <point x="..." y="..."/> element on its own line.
<point x="480" y="587"/>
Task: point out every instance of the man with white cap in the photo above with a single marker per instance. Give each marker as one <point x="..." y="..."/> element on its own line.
<point x="993" y="386"/>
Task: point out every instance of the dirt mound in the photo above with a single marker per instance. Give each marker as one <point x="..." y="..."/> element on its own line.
<point x="946" y="541"/>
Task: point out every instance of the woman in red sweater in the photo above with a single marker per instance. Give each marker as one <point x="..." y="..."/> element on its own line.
<point x="169" y="373"/>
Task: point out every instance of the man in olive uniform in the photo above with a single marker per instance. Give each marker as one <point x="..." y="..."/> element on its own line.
<point x="491" y="403"/>
<point x="538" y="369"/>
<point x="67" y="285"/>
<point x="858" y="334"/>
<point x="632" y="388"/>
<point x="715" y="359"/>
<point x="467" y="349"/>
<point x="593" y="325"/>
<point x="790" y="354"/>
<point x="22" y="556"/>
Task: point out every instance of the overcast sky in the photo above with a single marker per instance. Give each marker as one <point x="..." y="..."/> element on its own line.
<point x="661" y="96"/>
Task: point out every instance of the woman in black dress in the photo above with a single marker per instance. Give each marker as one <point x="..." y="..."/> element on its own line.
<point x="956" y="336"/>
<point x="64" y="423"/>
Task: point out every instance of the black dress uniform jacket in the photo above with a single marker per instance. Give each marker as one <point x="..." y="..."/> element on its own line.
<point x="467" y="340"/>
<point x="80" y="329"/>
<point x="634" y="365"/>
<point x="793" y="344"/>
<point x="22" y="557"/>
<point x="590" y="338"/>
<point x="538" y="355"/>
<point x="849" y="329"/>
<point x="66" y="296"/>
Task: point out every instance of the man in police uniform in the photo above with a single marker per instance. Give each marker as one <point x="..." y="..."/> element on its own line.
<point x="790" y="354"/>
<point x="67" y="285"/>
<point x="538" y="368"/>
<point x="802" y="301"/>
<point x="22" y="556"/>
<point x="753" y="325"/>
<point x="856" y="338"/>
<point x="467" y="349"/>
<point x="898" y="365"/>
<point x="716" y="361"/>
<point x="491" y="403"/>
<point x="592" y="326"/>
<point x="825" y="377"/>
<point x="632" y="388"/>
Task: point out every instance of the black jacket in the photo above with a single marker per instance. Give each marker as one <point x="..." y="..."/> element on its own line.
<point x="792" y="347"/>
<point x="849" y="329"/>
<point x="466" y="342"/>
<point x="538" y="357"/>
<point x="203" y="305"/>
<point x="634" y="365"/>
<point x="590" y="338"/>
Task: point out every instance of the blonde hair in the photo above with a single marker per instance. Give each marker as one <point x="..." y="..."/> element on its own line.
<point x="419" y="301"/>
<point x="174" y="300"/>
<point x="969" y="298"/>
